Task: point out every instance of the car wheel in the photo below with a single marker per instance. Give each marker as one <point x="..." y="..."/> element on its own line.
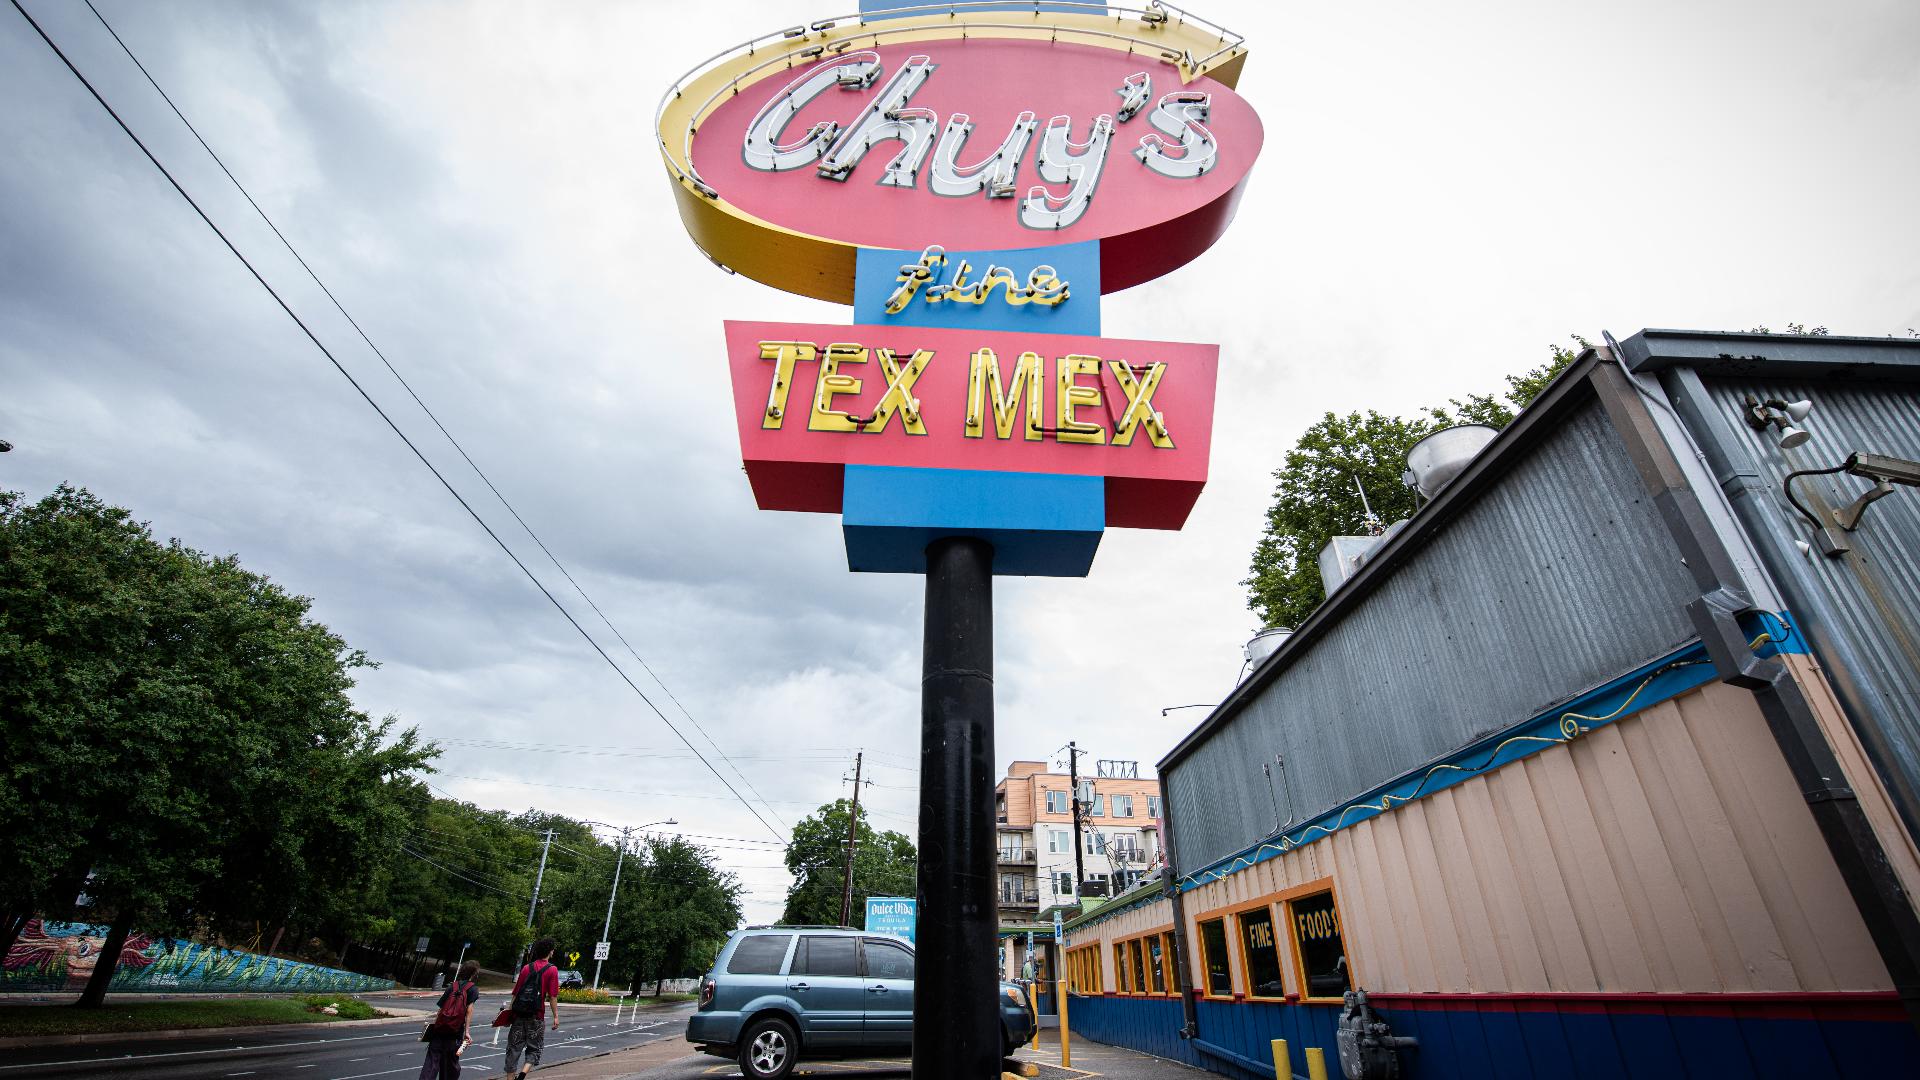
<point x="768" y="1050"/>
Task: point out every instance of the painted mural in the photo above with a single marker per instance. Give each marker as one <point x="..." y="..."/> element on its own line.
<point x="60" y="956"/>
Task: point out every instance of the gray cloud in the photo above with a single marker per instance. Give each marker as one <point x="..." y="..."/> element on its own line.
<point x="1442" y="193"/>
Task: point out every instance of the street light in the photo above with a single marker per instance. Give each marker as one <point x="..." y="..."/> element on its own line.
<point x="607" y="929"/>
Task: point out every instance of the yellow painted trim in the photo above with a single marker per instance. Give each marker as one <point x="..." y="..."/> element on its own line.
<point x="1206" y="981"/>
<point x="821" y="267"/>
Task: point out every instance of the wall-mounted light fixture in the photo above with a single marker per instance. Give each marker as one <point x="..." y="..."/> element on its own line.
<point x="1783" y="415"/>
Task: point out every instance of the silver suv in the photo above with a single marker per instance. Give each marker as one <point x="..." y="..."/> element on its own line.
<point x="777" y="993"/>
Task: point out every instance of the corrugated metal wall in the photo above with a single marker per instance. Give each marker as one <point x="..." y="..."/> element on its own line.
<point x="1558" y="578"/>
<point x="1865" y="627"/>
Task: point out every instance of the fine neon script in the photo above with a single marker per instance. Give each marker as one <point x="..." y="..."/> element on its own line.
<point x="1180" y="147"/>
<point x="1003" y="402"/>
<point x="1043" y="286"/>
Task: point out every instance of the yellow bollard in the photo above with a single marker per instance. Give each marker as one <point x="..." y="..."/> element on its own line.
<point x="1033" y="1003"/>
<point x="1282" y="1061"/>
<point x="1316" y="1063"/>
<point x="1066" y="1043"/>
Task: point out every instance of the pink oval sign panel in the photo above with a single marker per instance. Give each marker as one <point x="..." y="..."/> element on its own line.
<point x="988" y="144"/>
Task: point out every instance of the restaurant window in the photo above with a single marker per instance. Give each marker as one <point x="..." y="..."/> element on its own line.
<point x="1056" y="802"/>
<point x="1157" y="967"/>
<point x="1173" y="964"/>
<point x="1319" y="947"/>
<point x="1123" y="806"/>
<point x="1213" y="950"/>
<point x="1261" y="948"/>
<point x="1120" y="968"/>
<point x="1140" y="983"/>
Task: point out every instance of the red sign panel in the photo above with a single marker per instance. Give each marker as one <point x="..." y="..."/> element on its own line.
<point x="988" y="143"/>
<point x="811" y="399"/>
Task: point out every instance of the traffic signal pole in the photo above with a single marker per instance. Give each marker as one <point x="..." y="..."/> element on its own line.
<point x="956" y="1002"/>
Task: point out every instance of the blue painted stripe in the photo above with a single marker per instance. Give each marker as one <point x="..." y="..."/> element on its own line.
<point x="1661" y="680"/>
<point x="1496" y="1040"/>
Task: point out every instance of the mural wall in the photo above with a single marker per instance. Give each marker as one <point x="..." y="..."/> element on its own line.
<point x="61" y="956"/>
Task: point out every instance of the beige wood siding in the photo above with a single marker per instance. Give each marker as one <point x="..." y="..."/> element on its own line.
<point x="1667" y="852"/>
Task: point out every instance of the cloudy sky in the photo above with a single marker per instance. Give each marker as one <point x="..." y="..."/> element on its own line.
<point x="1445" y="190"/>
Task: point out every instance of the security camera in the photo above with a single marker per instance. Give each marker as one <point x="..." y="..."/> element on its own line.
<point x="1885" y="469"/>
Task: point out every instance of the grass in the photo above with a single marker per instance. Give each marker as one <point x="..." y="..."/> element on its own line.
<point x="117" y="1016"/>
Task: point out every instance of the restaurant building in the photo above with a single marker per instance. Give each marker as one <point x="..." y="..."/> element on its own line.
<point x="1602" y="765"/>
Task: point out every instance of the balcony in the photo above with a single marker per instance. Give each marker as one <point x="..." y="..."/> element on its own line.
<point x="1017" y="856"/>
<point x="1014" y="898"/>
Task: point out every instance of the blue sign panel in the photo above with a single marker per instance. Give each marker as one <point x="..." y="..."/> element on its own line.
<point x="891" y="915"/>
<point x="1053" y="290"/>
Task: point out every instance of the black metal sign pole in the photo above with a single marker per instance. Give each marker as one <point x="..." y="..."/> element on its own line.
<point x="956" y="1008"/>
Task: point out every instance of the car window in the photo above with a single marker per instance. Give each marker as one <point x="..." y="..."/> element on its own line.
<point x="827" y="956"/>
<point x="885" y="960"/>
<point x="760" y="955"/>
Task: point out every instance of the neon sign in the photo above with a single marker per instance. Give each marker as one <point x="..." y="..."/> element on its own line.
<point x="810" y="399"/>
<point x="969" y="131"/>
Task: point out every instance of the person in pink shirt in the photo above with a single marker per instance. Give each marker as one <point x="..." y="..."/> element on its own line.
<point x="535" y="992"/>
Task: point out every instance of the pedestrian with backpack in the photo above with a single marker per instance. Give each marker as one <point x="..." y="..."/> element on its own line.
<point x="452" y="1027"/>
<point x="535" y="992"/>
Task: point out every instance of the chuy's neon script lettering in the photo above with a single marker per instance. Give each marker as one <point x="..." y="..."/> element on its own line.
<point x="1181" y="146"/>
<point x="1043" y="286"/>
<point x="991" y="396"/>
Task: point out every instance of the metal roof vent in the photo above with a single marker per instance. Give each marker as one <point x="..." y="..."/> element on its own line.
<point x="1265" y="644"/>
<point x="1434" y="461"/>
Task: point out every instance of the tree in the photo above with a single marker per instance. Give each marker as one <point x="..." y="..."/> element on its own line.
<point x="182" y="746"/>
<point x="884" y="864"/>
<point x="1315" y="498"/>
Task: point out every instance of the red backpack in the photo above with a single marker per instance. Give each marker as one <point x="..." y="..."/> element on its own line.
<point x="452" y="1017"/>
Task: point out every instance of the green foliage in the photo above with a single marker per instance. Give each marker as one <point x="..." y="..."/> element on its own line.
<point x="344" y="1008"/>
<point x="181" y="740"/>
<point x="182" y="747"/>
<point x="884" y="864"/>
<point x="122" y="1016"/>
<point x="585" y="997"/>
<point x="1315" y="498"/>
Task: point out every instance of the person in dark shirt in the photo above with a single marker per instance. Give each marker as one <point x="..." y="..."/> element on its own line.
<point x="443" y="1046"/>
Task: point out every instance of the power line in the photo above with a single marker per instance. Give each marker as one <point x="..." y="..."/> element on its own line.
<point x="436" y="865"/>
<point x="355" y="383"/>
<point x="484" y="478"/>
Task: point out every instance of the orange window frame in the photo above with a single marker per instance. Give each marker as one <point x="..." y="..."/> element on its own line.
<point x="1120" y="968"/>
<point x="1285" y="900"/>
<point x="1206" y="957"/>
<point x="1246" y="957"/>
<point x="1171" y="951"/>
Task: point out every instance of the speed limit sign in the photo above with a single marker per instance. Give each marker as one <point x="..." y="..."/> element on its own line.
<point x="601" y="950"/>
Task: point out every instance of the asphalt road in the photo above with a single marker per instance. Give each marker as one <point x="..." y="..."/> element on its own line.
<point x="359" y="1052"/>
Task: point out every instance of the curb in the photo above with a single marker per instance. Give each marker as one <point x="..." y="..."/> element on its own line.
<point x="22" y="1042"/>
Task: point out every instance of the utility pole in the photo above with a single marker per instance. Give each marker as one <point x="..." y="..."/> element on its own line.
<point x="1073" y="799"/>
<point x="545" y="846"/>
<point x="853" y="834"/>
<point x="608" y="928"/>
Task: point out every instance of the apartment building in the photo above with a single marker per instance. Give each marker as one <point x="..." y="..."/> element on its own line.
<point x="1119" y="834"/>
